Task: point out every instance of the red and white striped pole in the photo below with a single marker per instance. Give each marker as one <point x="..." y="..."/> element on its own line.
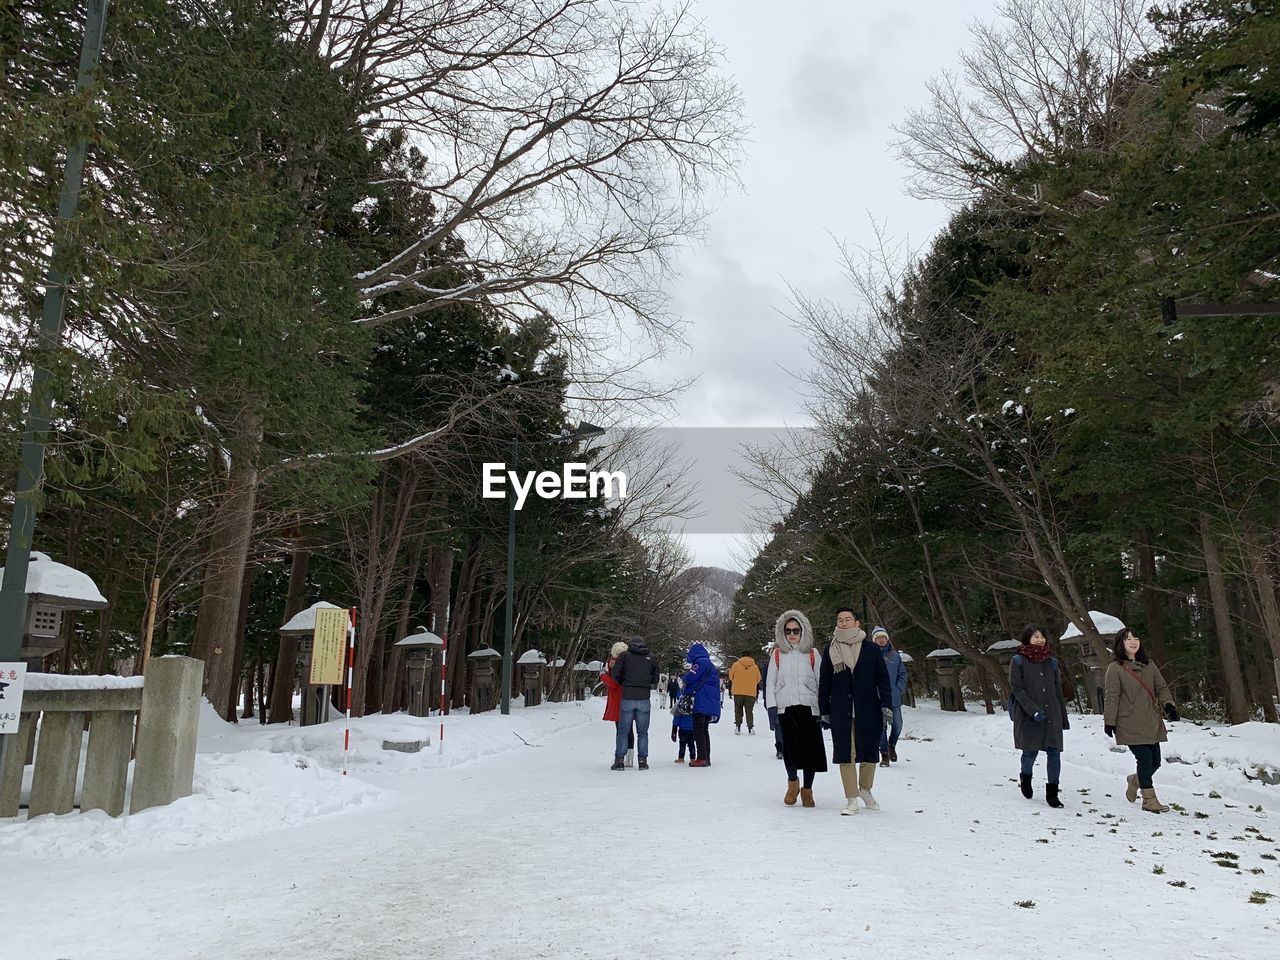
<point x="351" y="665"/>
<point x="444" y="663"/>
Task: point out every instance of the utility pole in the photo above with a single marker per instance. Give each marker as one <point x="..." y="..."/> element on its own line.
<point x="13" y="592"/>
<point x="13" y="595"/>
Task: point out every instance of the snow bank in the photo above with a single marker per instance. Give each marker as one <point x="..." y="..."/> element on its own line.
<point x="252" y="779"/>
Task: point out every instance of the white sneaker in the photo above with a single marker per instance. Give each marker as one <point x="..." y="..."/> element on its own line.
<point x="631" y="759"/>
<point x="850" y="807"/>
<point x="868" y="799"/>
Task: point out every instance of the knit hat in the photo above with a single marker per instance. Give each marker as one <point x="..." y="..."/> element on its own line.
<point x="618" y="649"/>
<point x="878" y="631"/>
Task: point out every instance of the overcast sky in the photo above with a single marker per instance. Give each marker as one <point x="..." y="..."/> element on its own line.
<point x="823" y="81"/>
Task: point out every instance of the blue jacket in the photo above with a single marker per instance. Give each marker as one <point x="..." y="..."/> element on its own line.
<point x="897" y="673"/>
<point x="702" y="681"/>
<point x="682" y="723"/>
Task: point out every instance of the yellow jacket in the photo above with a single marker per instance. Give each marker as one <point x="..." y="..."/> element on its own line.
<point x="744" y="678"/>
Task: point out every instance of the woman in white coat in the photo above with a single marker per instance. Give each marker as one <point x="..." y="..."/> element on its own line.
<point x="792" y="687"/>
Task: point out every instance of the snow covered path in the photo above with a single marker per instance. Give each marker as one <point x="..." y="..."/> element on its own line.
<point x="542" y="852"/>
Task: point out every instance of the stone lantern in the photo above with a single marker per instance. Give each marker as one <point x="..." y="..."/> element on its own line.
<point x="532" y="664"/>
<point x="316" y="699"/>
<point x="1095" y="664"/>
<point x="581" y="680"/>
<point x="949" y="663"/>
<point x="908" y="695"/>
<point x="483" y="697"/>
<point x="420" y="649"/>
<point x="592" y="674"/>
<point x="53" y="590"/>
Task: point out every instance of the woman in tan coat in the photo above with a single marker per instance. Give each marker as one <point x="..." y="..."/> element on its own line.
<point x="1135" y="698"/>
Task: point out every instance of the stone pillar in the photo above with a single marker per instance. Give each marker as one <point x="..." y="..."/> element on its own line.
<point x="15" y="758"/>
<point x="482" y="694"/>
<point x="53" y="786"/>
<point x="167" y="728"/>
<point x="106" y="769"/>
<point x="532" y="676"/>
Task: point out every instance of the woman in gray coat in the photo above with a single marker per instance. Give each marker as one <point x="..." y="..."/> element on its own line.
<point x="1038" y="710"/>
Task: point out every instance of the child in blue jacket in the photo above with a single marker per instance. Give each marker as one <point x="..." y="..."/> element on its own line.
<point x="682" y="730"/>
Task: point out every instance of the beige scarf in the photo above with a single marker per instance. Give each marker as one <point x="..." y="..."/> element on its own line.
<point x="846" y="644"/>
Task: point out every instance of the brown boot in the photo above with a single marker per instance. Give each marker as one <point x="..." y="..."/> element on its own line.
<point x="884" y="758"/>
<point x="806" y="797"/>
<point x="1131" y="788"/>
<point x="1151" y="803"/>
<point x="793" y="791"/>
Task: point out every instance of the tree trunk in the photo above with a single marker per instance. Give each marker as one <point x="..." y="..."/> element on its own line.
<point x="263" y="687"/>
<point x="1157" y="649"/>
<point x="1232" y="679"/>
<point x="246" y="707"/>
<point x="1264" y="591"/>
<point x="242" y="623"/>
<point x="284" y="674"/>
<point x="105" y="617"/>
<point x="391" y="684"/>
<point x="219" y="611"/>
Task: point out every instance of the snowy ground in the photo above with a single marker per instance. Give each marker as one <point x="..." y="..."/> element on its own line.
<point x="517" y="841"/>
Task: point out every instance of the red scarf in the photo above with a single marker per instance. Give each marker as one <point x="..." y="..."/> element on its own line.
<point x="1036" y="654"/>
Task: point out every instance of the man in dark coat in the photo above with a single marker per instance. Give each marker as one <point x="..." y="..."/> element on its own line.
<point x="854" y="696"/>
<point x="637" y="673"/>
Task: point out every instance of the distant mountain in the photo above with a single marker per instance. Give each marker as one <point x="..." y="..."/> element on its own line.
<point x="712" y="600"/>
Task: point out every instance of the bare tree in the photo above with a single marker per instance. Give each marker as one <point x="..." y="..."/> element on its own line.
<point x="1045" y="77"/>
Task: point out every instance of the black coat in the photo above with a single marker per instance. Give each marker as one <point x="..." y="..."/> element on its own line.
<point x="637" y="671"/>
<point x="854" y="698"/>
<point x="1037" y="687"/>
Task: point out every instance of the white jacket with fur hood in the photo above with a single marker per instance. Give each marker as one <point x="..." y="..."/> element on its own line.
<point x="793" y="674"/>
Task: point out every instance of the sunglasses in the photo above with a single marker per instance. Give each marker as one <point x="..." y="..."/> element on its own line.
<point x="789" y="631"/>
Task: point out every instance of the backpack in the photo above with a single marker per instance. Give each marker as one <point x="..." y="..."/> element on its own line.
<point x="1017" y="656"/>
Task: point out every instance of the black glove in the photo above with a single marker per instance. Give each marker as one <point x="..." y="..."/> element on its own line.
<point x="1109" y="730"/>
<point x="673" y="736"/>
<point x="1170" y="712"/>
<point x="825" y="722"/>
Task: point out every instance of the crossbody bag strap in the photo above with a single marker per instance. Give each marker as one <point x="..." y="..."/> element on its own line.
<point x="1141" y="684"/>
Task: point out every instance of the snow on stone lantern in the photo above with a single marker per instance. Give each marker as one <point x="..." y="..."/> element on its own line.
<point x="483" y="695"/>
<point x="949" y="663"/>
<point x="316" y="699"/>
<point x="53" y="590"/>
<point x="1095" y="664"/>
<point x="532" y="663"/>
<point x="420" y="649"/>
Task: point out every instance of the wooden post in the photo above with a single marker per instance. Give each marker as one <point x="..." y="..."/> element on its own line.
<point x="152" y="603"/>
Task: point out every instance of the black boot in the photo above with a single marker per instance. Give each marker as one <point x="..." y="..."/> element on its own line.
<point x="1051" y="795"/>
<point x="893" y="752"/>
<point x="1024" y="781"/>
<point x="617" y="764"/>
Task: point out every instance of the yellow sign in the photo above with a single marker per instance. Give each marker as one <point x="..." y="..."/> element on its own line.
<point x="330" y="645"/>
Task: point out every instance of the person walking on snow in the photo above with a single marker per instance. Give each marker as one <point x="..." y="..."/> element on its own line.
<point x="682" y="732"/>
<point x="636" y="671"/>
<point x="613" y="702"/>
<point x="856" y="702"/>
<point x="771" y="711"/>
<point x="897" y="687"/>
<point x="1038" y="710"/>
<point x="702" y="683"/>
<point x="792" y="690"/>
<point x="744" y="682"/>
<point x="1134" y="697"/>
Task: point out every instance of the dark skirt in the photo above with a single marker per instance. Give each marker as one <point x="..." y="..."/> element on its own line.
<point x="802" y="746"/>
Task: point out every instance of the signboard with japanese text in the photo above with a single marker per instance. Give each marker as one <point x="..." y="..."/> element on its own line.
<point x="330" y="646"/>
<point x="13" y="679"/>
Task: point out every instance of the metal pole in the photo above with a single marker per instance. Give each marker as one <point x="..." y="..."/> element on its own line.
<point x="511" y="588"/>
<point x="13" y="598"/>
